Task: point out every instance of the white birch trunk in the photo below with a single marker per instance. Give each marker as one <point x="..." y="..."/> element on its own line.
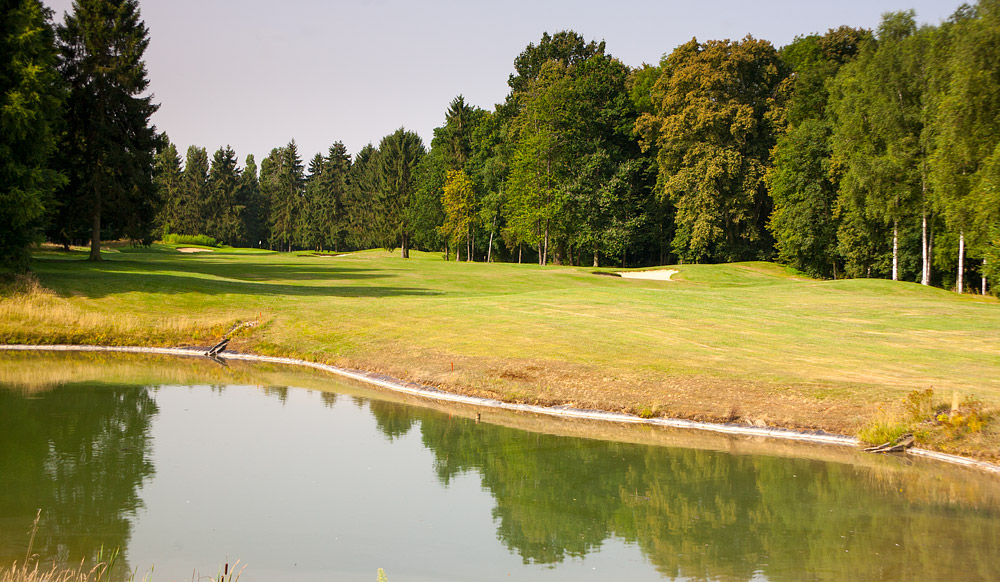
<point x="925" y="272"/>
<point x="961" y="262"/>
<point x="895" y="250"/>
<point x="984" y="276"/>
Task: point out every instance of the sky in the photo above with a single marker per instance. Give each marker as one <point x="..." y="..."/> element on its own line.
<point x="254" y="75"/>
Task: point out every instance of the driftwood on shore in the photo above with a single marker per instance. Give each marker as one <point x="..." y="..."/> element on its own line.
<point x="897" y="446"/>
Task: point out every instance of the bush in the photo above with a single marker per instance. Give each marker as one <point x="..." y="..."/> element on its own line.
<point x="190" y="239"/>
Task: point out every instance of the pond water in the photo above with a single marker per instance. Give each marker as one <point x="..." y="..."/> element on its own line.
<point x="185" y="465"/>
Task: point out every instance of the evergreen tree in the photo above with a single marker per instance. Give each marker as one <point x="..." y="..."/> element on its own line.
<point x="169" y="179"/>
<point x="363" y="199"/>
<point x="333" y="186"/>
<point x="255" y="205"/>
<point x="399" y="154"/>
<point x="194" y="199"/>
<point x="282" y="180"/>
<point x="223" y="212"/>
<point x="310" y="227"/>
<point x="30" y="99"/>
<point x="109" y="142"/>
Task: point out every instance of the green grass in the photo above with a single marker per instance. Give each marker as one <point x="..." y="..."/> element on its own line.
<point x="755" y="341"/>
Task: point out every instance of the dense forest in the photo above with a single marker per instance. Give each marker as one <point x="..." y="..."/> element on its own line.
<point x="853" y="153"/>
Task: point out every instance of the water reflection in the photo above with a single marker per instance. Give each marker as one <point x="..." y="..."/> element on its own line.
<point x="81" y="457"/>
<point x="710" y="515"/>
<point x="84" y="455"/>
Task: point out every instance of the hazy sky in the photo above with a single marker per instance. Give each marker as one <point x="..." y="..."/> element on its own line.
<point x="255" y="74"/>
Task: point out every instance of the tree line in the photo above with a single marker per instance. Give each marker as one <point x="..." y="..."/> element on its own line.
<point x="853" y="153"/>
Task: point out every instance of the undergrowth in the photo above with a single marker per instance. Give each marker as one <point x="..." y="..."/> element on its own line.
<point x="932" y="422"/>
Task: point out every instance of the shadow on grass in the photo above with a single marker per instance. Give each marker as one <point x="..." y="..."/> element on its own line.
<point x="111" y="277"/>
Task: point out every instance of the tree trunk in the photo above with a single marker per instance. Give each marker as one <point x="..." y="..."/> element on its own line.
<point x="961" y="262"/>
<point x="895" y="250"/>
<point x="984" y="276"/>
<point x="930" y="253"/>
<point x="489" y="248"/>
<point x="520" y="247"/>
<point x="447" y="252"/>
<point x="458" y="253"/>
<point x="925" y="271"/>
<point x="596" y="261"/>
<point x="95" y="236"/>
<point x="545" y="255"/>
<point x="406" y="246"/>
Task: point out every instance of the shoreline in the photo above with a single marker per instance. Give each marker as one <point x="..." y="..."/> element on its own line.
<point x="429" y="392"/>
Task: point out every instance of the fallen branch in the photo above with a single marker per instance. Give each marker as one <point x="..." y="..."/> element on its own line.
<point x="897" y="446"/>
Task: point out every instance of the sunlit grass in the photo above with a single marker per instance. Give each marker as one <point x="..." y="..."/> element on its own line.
<point x="756" y="338"/>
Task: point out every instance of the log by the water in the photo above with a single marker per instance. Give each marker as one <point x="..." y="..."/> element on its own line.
<point x="897" y="446"/>
<point x="217" y="348"/>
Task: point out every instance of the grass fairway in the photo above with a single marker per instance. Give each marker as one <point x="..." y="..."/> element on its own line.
<point x="751" y="341"/>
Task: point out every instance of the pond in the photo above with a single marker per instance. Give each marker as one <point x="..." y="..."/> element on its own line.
<point x="185" y="465"/>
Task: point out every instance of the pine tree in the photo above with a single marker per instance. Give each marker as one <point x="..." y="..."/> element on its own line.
<point x="110" y="141"/>
<point x="30" y="99"/>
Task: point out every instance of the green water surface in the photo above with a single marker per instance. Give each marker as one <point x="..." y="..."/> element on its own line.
<point x="333" y="481"/>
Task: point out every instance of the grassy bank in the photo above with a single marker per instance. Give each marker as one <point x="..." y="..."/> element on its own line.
<point x="749" y="342"/>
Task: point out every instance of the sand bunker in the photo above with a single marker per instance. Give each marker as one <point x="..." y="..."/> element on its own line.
<point x="660" y="275"/>
<point x="193" y="250"/>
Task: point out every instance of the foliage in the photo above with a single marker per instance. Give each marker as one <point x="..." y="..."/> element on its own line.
<point x="458" y="199"/>
<point x="399" y="155"/>
<point x="30" y="115"/>
<point x="224" y="213"/>
<point x="713" y="126"/>
<point x="189" y="239"/>
<point x="936" y="423"/>
<point x="109" y="143"/>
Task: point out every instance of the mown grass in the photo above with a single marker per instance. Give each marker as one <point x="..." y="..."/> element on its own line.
<point x="749" y="342"/>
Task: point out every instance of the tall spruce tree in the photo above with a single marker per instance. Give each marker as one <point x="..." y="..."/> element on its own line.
<point x="331" y="197"/>
<point x="110" y="141"/>
<point x="223" y="212"/>
<point x="194" y="196"/>
<point x="30" y="99"/>
<point x="399" y="154"/>
<point x="282" y="179"/>
<point x="363" y="198"/>
<point x="169" y="180"/>
<point x="255" y="205"/>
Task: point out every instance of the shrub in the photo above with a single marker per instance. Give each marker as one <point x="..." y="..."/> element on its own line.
<point x="190" y="239"/>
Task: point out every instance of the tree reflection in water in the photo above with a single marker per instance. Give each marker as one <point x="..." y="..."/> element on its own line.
<point x="79" y="455"/>
<point x="702" y="514"/>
